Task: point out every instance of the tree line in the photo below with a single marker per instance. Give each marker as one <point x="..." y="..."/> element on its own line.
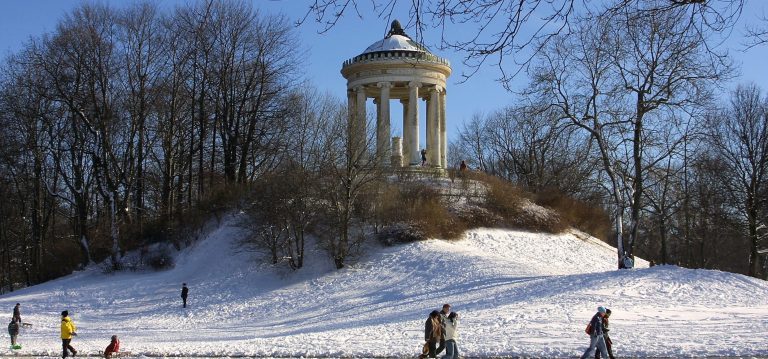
<point x="624" y="111"/>
<point x="124" y="117"/>
<point x="126" y="127"/>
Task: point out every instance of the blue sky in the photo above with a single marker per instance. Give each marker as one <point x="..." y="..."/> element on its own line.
<point x="22" y="19"/>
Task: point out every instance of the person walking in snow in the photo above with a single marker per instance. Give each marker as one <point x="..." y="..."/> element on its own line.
<point x="451" y="335"/>
<point x="184" y="293"/>
<point x="68" y="330"/>
<point x="595" y="331"/>
<point x="17" y="313"/>
<point x="433" y="331"/>
<point x="444" y="312"/>
<point x="113" y="347"/>
<point x="13" y="331"/>
<point x="608" y="341"/>
<point x="423" y="156"/>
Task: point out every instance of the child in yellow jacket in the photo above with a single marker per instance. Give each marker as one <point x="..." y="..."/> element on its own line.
<point x="68" y="330"/>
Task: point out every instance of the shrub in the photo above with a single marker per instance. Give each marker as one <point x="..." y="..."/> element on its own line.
<point x="60" y="260"/>
<point x="583" y="215"/>
<point x="475" y="216"/>
<point x="418" y="211"/>
<point x="401" y="233"/>
<point x="515" y="208"/>
<point x="160" y="260"/>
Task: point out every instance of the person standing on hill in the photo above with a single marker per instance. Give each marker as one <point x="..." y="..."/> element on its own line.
<point x="184" y="293"/>
<point x="608" y="341"/>
<point x="423" y="157"/>
<point x="68" y="330"/>
<point x="451" y="335"/>
<point x="595" y="331"/>
<point x="13" y="331"/>
<point x="17" y="313"/>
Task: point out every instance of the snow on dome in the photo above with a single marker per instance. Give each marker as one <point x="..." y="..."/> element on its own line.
<point x="395" y="43"/>
<point x="396" y="40"/>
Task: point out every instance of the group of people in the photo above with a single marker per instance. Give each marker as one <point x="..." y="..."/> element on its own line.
<point x="441" y="328"/>
<point x="599" y="341"/>
<point x="68" y="331"/>
<point x="440" y="333"/>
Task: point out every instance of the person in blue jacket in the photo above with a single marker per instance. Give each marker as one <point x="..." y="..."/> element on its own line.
<point x="596" y="339"/>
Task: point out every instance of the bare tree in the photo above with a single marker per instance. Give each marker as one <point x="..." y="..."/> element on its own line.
<point x="27" y="123"/>
<point x="757" y="35"/>
<point x="471" y="144"/>
<point x="740" y="136"/>
<point x="614" y="78"/>
<point x="349" y="168"/>
<point x="532" y="149"/>
<point x="81" y="64"/>
<point x="140" y="44"/>
<point x="303" y="162"/>
<point x="174" y="118"/>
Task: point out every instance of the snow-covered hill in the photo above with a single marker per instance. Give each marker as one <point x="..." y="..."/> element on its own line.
<point x="518" y="294"/>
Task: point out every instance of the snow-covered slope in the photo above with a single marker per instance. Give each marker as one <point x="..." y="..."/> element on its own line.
<point x="518" y="294"/>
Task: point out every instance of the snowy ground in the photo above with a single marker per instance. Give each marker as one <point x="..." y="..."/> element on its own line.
<point x="518" y="294"/>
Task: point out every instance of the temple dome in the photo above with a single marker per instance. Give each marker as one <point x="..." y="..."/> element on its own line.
<point x="397" y="46"/>
<point x="396" y="43"/>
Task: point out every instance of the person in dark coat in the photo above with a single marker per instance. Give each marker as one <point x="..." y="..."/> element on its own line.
<point x="423" y="156"/>
<point x="608" y="342"/>
<point x="13" y="331"/>
<point x="17" y="313"/>
<point x="596" y="339"/>
<point x="433" y="332"/>
<point x="184" y="293"/>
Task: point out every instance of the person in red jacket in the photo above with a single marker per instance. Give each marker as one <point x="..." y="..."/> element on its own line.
<point x="113" y="347"/>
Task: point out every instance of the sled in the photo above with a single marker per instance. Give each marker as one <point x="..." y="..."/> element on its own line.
<point x="116" y="355"/>
<point x="15" y="347"/>
<point x="26" y="325"/>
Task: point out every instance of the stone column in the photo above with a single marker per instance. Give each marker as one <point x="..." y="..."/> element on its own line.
<point x="350" y="112"/>
<point x="360" y="121"/>
<point x="413" y="123"/>
<point x="406" y="149"/>
<point x="397" y="152"/>
<point x="443" y="133"/>
<point x="434" y="137"/>
<point x="382" y="125"/>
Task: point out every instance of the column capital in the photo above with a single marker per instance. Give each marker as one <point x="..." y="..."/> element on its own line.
<point x="413" y="84"/>
<point x="438" y="89"/>
<point x="384" y="84"/>
<point x="358" y="88"/>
